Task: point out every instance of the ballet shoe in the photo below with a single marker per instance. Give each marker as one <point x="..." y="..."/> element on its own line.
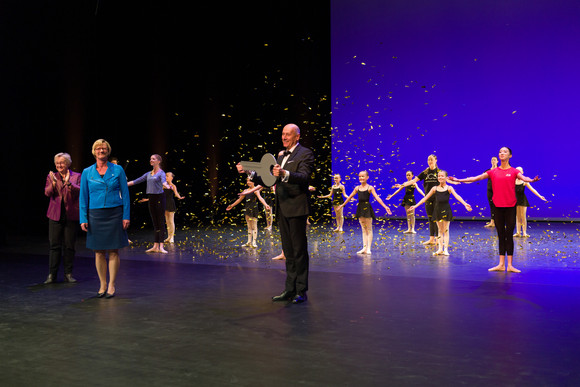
<point x="254" y="245"/>
<point x="362" y="251"/>
<point x="517" y="235"/>
<point x="445" y="252"/>
<point x="368" y="252"/>
<point x="247" y="244"/>
<point x="526" y="235"/>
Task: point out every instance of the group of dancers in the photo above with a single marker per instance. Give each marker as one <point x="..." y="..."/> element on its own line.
<point x="506" y="194"/>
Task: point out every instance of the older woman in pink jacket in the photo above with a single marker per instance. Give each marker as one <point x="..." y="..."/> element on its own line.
<point x="62" y="188"/>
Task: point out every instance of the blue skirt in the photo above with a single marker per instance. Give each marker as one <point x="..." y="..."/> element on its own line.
<point x="106" y="229"/>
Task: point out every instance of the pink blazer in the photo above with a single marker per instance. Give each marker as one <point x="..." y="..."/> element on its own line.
<point x="69" y="193"/>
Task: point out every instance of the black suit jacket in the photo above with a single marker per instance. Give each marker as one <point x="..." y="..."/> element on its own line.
<point x="292" y="197"/>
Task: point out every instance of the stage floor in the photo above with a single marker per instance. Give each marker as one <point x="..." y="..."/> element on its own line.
<point x="202" y="315"/>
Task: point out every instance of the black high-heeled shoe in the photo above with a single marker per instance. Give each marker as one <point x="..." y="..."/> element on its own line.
<point x="109" y="295"/>
<point x="100" y="295"/>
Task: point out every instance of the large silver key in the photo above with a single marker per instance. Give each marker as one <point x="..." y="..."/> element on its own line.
<point x="263" y="168"/>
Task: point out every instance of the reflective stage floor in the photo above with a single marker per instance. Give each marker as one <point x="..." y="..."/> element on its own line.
<point x="202" y="315"/>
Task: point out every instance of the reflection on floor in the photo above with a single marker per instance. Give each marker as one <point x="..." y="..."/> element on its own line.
<point x="201" y="315"/>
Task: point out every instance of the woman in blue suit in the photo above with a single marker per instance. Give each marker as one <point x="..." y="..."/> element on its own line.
<point x="105" y="214"/>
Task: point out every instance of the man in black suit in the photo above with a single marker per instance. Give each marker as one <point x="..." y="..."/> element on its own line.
<point x="293" y="169"/>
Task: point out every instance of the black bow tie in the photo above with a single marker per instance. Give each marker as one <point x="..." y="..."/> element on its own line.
<point x="287" y="152"/>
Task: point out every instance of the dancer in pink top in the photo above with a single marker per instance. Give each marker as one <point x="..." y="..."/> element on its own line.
<point x="503" y="180"/>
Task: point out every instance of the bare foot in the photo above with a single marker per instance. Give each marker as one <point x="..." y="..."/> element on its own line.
<point x="517" y="235"/>
<point x="278" y="257"/>
<point x="152" y="250"/>
<point x="497" y="268"/>
<point x="407" y="232"/>
<point x="512" y="269"/>
<point x="430" y="242"/>
<point x="162" y="251"/>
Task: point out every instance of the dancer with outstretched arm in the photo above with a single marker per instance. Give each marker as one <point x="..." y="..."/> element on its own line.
<point x="503" y="180"/>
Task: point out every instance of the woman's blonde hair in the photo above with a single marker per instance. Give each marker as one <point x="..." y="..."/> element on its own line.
<point x="101" y="142"/>
<point x="65" y="156"/>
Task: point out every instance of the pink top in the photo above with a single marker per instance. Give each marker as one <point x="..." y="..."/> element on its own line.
<point x="503" y="182"/>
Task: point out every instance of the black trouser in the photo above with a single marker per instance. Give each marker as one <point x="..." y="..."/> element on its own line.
<point x="295" y="248"/>
<point x="429" y="208"/>
<point x="61" y="238"/>
<point x="491" y="205"/>
<point x="505" y="222"/>
<point x="157" y="212"/>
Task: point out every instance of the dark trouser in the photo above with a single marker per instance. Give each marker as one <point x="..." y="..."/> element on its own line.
<point x="429" y="208"/>
<point x="61" y="238"/>
<point x="491" y="206"/>
<point x="295" y="248"/>
<point x="157" y="212"/>
<point x="505" y="222"/>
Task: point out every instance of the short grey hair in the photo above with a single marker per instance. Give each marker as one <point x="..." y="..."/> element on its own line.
<point x="65" y="156"/>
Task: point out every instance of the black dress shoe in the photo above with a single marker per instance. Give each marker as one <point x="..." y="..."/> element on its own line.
<point x="299" y="298"/>
<point x="50" y="279"/>
<point x="69" y="278"/>
<point x="285" y="296"/>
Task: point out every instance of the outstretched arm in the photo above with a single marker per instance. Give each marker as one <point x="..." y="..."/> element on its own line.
<point x="394" y="193"/>
<point x="408" y="182"/>
<point x="467" y="206"/>
<point x="424" y="198"/>
<point x="534" y="191"/>
<point x="354" y="191"/>
<point x="527" y="179"/>
<point x="177" y="195"/>
<point x="419" y="189"/>
<point x="235" y="203"/>
<point x="469" y="179"/>
<point x="378" y="199"/>
<point x="326" y="196"/>
<point x="261" y="199"/>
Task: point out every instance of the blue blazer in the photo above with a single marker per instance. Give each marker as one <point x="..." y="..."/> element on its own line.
<point x="108" y="191"/>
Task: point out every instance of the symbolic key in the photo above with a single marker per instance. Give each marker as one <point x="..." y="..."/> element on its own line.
<point x="263" y="168"/>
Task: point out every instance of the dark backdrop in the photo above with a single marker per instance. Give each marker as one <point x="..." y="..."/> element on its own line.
<point x="204" y="85"/>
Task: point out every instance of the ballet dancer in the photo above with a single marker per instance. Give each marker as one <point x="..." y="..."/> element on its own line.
<point x="429" y="177"/>
<point x="408" y="202"/>
<point x="364" y="211"/>
<point x="250" y="195"/>
<point x="156" y="182"/>
<point x="490" y="194"/>
<point x="503" y="180"/>
<point x="337" y="192"/>
<point x="170" y="206"/>
<point x="522" y="205"/>
<point x="442" y="214"/>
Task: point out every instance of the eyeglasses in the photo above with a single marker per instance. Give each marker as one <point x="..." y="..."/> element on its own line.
<point x="101" y="149"/>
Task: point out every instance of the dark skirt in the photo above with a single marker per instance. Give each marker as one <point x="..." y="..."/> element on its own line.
<point x="106" y="229"/>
